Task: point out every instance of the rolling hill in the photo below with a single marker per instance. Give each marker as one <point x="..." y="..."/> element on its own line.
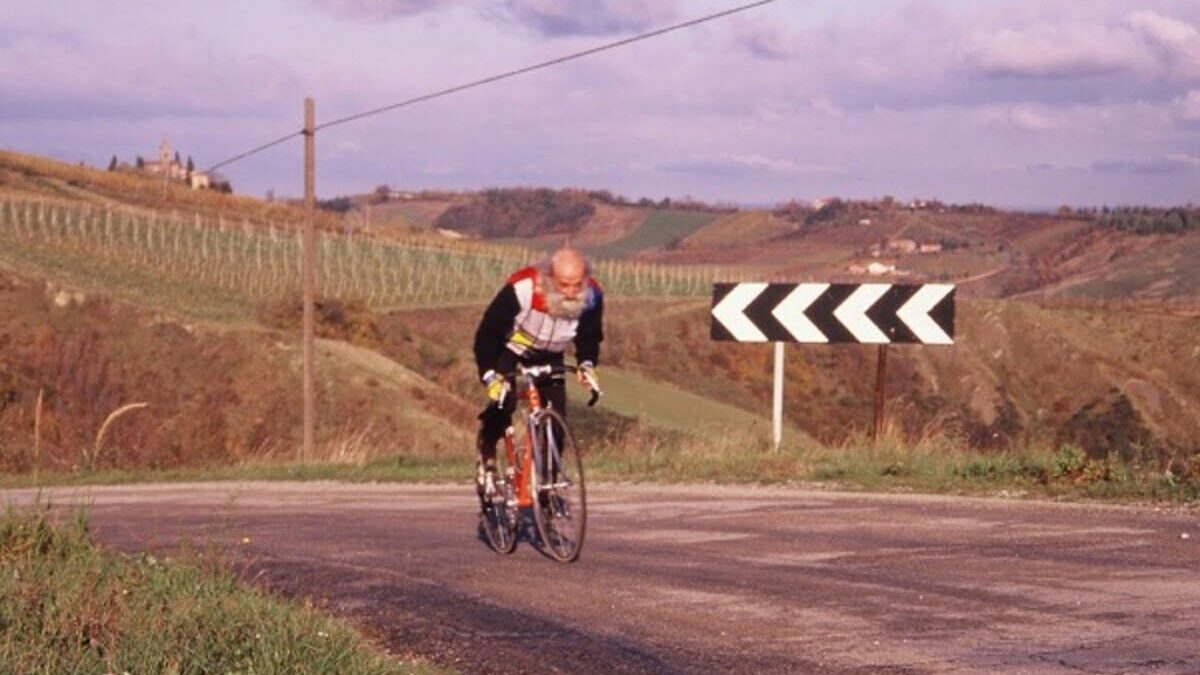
<point x="1099" y="351"/>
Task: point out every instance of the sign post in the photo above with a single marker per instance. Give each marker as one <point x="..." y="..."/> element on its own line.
<point x="880" y="377"/>
<point x="777" y="418"/>
<point x="817" y="313"/>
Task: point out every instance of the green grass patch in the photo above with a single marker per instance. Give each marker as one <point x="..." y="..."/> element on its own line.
<point x="664" y="405"/>
<point x="395" y="468"/>
<point x="661" y="228"/>
<point x="622" y="449"/>
<point x="67" y="606"/>
<point x="638" y="453"/>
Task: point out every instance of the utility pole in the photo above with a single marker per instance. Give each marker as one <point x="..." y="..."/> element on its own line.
<point x="308" y="275"/>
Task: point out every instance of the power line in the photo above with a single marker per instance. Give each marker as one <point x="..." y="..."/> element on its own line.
<point x="497" y="78"/>
<point x="254" y="151"/>
<point x="544" y="64"/>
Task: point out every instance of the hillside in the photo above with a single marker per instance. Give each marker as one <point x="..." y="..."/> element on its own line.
<point x="107" y="303"/>
<point x="29" y="177"/>
<point x="1141" y="254"/>
<point x="1019" y="375"/>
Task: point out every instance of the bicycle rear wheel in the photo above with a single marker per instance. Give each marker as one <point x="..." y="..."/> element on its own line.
<point x="498" y="509"/>
<point x="560" y="509"/>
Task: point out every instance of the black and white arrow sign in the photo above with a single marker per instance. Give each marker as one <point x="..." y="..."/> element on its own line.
<point x="834" y="313"/>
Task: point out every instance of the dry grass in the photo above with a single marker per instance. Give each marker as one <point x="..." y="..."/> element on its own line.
<point x="89" y="459"/>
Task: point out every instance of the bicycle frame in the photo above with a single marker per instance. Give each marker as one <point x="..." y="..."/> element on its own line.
<point x="524" y="466"/>
<point x="533" y="409"/>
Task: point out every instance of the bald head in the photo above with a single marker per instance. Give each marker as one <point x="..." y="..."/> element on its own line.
<point x="567" y="263"/>
<point x="568" y="272"/>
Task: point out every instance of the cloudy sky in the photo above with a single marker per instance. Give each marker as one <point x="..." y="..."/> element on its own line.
<point x="1011" y="102"/>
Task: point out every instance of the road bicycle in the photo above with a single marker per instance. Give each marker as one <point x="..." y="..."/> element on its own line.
<point x="539" y="469"/>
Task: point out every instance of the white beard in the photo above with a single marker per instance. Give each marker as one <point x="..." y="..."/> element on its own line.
<point x="559" y="307"/>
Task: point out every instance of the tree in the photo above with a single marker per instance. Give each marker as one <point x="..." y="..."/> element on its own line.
<point x="141" y="163"/>
<point x="191" y="166"/>
<point x="177" y="160"/>
<point x="112" y="163"/>
<point x="382" y="193"/>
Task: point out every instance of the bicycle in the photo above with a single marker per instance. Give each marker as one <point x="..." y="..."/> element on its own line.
<point x="554" y="488"/>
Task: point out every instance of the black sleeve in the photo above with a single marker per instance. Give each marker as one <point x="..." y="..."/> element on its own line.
<point x="590" y="333"/>
<point x="494" y="329"/>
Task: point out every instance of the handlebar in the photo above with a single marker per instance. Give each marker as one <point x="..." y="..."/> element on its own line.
<point x="534" y="373"/>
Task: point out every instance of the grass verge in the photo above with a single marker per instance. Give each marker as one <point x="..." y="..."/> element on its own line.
<point x="635" y="452"/>
<point x="68" y="607"/>
<point x="929" y="465"/>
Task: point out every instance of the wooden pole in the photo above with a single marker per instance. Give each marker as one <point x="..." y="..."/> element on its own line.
<point x="308" y="281"/>
<point x="778" y="416"/>
<point x="880" y="376"/>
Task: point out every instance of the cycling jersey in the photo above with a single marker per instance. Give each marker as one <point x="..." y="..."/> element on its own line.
<point x="517" y="326"/>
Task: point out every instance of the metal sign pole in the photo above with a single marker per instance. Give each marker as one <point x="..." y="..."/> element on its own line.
<point x="778" y="417"/>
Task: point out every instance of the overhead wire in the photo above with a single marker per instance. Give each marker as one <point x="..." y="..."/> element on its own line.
<point x="496" y="78"/>
<point x="543" y="64"/>
<point x="255" y="150"/>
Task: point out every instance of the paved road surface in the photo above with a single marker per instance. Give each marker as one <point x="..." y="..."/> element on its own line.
<point x="704" y="579"/>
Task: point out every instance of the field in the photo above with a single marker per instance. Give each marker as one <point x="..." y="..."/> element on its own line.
<point x="661" y="228"/>
<point x="223" y="268"/>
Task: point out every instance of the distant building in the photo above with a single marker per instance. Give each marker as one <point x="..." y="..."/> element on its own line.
<point x="873" y="268"/>
<point x="903" y="245"/>
<point x="168" y="164"/>
<point x="931" y="248"/>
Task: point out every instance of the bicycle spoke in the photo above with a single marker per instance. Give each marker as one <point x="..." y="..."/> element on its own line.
<point x="561" y="509"/>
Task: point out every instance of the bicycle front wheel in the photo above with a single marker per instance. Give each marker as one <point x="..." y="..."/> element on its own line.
<point x="560" y="506"/>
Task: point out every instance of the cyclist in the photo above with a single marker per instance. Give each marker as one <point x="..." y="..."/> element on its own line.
<point x="540" y="311"/>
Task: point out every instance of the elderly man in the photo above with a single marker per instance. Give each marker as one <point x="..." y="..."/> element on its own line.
<point x="540" y="311"/>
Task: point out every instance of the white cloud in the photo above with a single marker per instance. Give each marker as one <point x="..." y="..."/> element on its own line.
<point x="1175" y="42"/>
<point x="47" y="75"/>
<point x="1186" y="108"/>
<point x="764" y="40"/>
<point x="564" y="18"/>
<point x="1022" y="117"/>
<point x="375" y="10"/>
<point x="1055" y="52"/>
<point x="1171" y="33"/>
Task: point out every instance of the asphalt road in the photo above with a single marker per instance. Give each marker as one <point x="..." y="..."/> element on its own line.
<point x="708" y="579"/>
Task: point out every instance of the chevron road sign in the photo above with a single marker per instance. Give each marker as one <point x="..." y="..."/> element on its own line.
<point x="878" y="314"/>
<point x="834" y="313"/>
